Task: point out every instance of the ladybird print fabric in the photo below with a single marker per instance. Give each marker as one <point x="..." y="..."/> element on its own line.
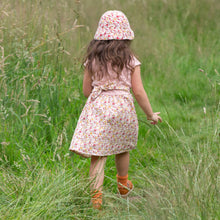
<point x="108" y="123"/>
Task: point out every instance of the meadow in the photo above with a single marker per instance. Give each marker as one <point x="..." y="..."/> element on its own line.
<point x="175" y="168"/>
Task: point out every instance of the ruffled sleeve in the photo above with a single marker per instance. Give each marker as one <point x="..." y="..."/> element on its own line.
<point x="135" y="62"/>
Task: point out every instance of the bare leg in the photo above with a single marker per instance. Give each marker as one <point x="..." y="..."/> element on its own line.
<point x="122" y="163"/>
<point x="125" y="186"/>
<point x="96" y="172"/>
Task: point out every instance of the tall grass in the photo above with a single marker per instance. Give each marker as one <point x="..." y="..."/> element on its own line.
<point x="175" y="167"/>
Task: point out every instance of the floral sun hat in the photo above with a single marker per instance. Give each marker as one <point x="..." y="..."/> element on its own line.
<point x="114" y="25"/>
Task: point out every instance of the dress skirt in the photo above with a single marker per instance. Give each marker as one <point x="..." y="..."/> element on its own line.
<point x="107" y="125"/>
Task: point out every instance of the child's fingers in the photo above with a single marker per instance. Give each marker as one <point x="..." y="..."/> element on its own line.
<point x="156" y="113"/>
<point x="160" y="119"/>
<point x="155" y="120"/>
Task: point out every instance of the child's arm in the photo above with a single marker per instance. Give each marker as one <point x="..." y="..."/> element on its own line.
<point x="141" y="96"/>
<point x="87" y="83"/>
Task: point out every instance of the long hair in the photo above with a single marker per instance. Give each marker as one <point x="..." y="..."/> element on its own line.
<point x="117" y="53"/>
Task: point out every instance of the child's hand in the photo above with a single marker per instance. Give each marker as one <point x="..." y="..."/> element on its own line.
<point x="155" y="118"/>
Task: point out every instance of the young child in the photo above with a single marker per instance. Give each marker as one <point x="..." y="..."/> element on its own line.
<point x="108" y="124"/>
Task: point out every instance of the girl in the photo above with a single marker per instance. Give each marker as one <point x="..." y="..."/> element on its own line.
<point x="108" y="123"/>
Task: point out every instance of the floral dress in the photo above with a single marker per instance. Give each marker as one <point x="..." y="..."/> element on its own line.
<point x="108" y="123"/>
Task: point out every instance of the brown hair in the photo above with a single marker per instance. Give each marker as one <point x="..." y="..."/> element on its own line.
<point x="103" y="52"/>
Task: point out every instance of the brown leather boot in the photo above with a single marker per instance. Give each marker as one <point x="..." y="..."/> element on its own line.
<point x="125" y="186"/>
<point x="96" y="199"/>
